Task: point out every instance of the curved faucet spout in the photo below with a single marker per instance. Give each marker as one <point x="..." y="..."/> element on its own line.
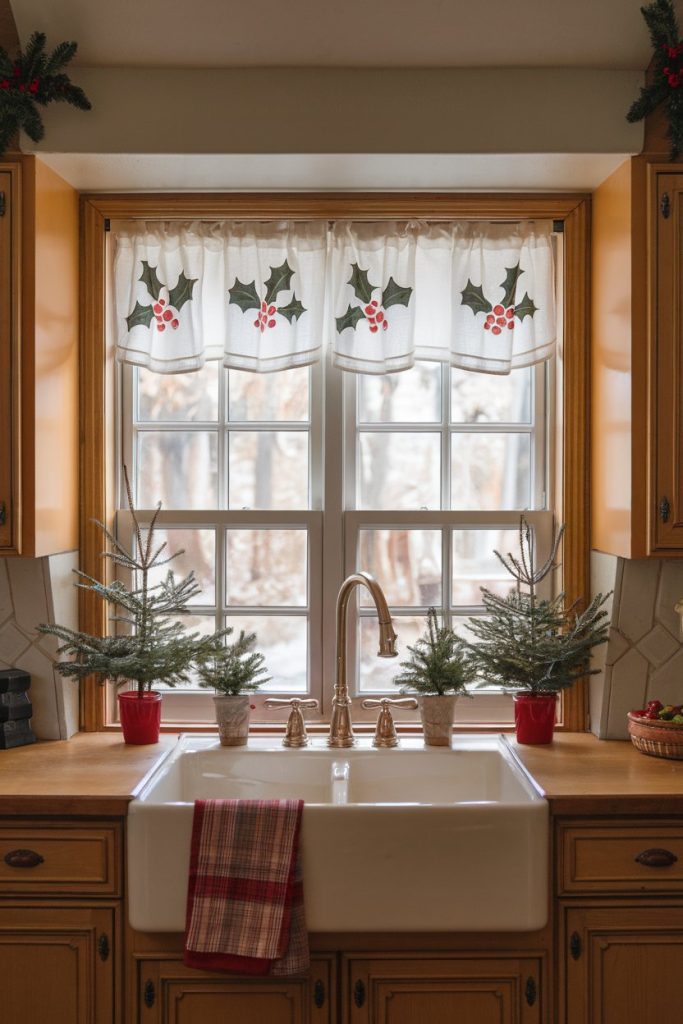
<point x="341" y="730"/>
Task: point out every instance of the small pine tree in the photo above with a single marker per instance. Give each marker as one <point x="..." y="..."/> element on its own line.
<point x="156" y="649"/>
<point x="235" y="668"/>
<point x="439" y="663"/>
<point x="531" y="644"/>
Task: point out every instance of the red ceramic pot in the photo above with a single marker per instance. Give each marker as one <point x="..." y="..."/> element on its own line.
<point x="535" y="717"/>
<point x="140" y="716"/>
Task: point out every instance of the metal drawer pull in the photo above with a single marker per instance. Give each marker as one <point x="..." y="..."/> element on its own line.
<point x="656" y="858"/>
<point x="23" y="859"/>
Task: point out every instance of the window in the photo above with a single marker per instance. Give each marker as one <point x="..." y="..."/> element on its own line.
<point x="435" y="538"/>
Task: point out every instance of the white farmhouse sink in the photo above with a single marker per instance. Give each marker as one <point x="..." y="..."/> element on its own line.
<point x="410" y="839"/>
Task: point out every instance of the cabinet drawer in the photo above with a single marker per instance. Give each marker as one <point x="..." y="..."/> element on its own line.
<point x="621" y="858"/>
<point x="52" y="860"/>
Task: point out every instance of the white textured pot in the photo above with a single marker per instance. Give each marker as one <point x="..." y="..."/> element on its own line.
<point x="232" y="716"/>
<point x="437" y="715"/>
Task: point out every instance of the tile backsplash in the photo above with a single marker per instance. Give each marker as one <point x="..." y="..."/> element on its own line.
<point x="643" y="658"/>
<point x="35" y="590"/>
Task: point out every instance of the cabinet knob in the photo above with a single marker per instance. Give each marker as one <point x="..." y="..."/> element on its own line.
<point x="656" y="858"/>
<point x="319" y="994"/>
<point x="665" y="205"/>
<point x="359" y="993"/>
<point x="664" y="509"/>
<point x="3" y="513"/>
<point x="23" y="859"/>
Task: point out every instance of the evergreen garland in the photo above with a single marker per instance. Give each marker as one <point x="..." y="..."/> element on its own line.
<point x="439" y="663"/>
<point x="34" y="77"/>
<point x="155" y="649"/>
<point x="667" y="72"/>
<point x="531" y="644"/>
<point x="235" y="668"/>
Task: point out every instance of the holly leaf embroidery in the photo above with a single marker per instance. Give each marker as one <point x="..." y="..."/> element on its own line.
<point x="512" y="275"/>
<point x="140" y="317"/>
<point x="278" y="281"/>
<point x="150" y="280"/>
<point x="473" y="296"/>
<point x="525" y="308"/>
<point x="350" y="318"/>
<point x="182" y="292"/>
<point x="292" y="310"/>
<point x="244" y="296"/>
<point x="395" y="295"/>
<point x="360" y="284"/>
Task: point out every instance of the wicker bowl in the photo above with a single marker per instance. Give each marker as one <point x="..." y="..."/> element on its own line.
<point x="657" y="738"/>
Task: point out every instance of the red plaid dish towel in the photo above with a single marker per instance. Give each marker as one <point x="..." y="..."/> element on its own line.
<point x="245" y="909"/>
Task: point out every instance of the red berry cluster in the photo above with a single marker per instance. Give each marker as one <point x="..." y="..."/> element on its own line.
<point x="164" y="316"/>
<point x="499" y="319"/>
<point x="265" y="317"/>
<point x="656" y="711"/>
<point x="376" y="317"/>
<point x="33" y="86"/>
<point x="674" y="73"/>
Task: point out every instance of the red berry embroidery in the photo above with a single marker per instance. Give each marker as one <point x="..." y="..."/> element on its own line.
<point x="498" y="310"/>
<point x="162" y="302"/>
<point x="161" y="327"/>
<point x="174" y="324"/>
<point x="167" y="315"/>
<point x="271" y="323"/>
<point x="510" y="312"/>
<point x="157" y="307"/>
<point x="374" y="302"/>
<point x="487" y="326"/>
<point x="385" y="325"/>
<point x="373" y="328"/>
<point x="511" y="326"/>
<point x="495" y="330"/>
<point x="369" y="310"/>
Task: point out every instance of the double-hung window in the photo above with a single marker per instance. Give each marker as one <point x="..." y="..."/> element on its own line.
<point x="277" y="485"/>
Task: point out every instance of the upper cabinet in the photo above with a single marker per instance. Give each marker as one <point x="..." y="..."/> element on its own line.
<point x="38" y="360"/>
<point x="637" y="361"/>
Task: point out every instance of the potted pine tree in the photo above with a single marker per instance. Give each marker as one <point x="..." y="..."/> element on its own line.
<point x="438" y="671"/>
<point x="532" y="646"/>
<point x="234" y="671"/>
<point x="156" y="648"/>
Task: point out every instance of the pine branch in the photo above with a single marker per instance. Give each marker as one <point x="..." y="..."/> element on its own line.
<point x="439" y="662"/>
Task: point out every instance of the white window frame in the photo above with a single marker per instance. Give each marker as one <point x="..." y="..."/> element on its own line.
<point x="334" y="525"/>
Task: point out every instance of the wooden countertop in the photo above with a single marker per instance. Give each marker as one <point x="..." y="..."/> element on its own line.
<point x="92" y="773"/>
<point x="97" y="774"/>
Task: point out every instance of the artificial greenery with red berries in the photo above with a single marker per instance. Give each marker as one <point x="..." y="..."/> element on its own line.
<point x="666" y="86"/>
<point x="34" y="77"/>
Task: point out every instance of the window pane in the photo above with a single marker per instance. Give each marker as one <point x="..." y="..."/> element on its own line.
<point x="412" y="396"/>
<point x="406" y="563"/>
<point x="268" y="469"/>
<point x="178" y="397"/>
<point x="475" y="565"/>
<point x="490" y="471"/>
<point x="266" y="567"/>
<point x="399" y="470"/>
<point x="269" y="396"/>
<point x="488" y="398"/>
<point x="199" y="553"/>
<point x="178" y="468"/>
<point x="283" y="641"/>
<point x="379" y="673"/>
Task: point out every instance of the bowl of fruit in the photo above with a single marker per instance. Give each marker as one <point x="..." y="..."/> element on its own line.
<point x="657" y="729"/>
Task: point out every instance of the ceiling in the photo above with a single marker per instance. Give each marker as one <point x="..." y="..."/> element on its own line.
<point x="358" y="33"/>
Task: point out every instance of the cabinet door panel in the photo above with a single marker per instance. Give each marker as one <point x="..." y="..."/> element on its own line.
<point x="629" y="965"/>
<point x="402" y="990"/>
<point x="170" y="993"/>
<point x="666" y="512"/>
<point x="9" y="456"/>
<point x="51" y="968"/>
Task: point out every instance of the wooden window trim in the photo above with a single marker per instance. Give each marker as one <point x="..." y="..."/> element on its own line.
<point x="97" y="493"/>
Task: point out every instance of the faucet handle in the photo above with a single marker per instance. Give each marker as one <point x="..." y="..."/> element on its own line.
<point x="385" y="733"/>
<point x="295" y="733"/>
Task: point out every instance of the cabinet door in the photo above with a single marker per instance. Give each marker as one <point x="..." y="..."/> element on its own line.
<point x="623" y="965"/>
<point x="667" y="500"/>
<point x="405" y="990"/>
<point x="56" y="965"/>
<point x="9" y="413"/>
<point x="170" y="993"/>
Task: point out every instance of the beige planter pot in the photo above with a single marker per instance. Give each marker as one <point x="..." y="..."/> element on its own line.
<point x="437" y="715"/>
<point x="232" y="716"/>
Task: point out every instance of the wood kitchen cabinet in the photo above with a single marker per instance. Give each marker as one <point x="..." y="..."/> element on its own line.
<point x="621" y="945"/>
<point x="39" y="312"/>
<point x="170" y="993"/>
<point x="411" y="989"/>
<point x="637" y="361"/>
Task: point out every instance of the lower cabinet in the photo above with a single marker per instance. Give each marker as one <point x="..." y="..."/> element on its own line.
<point x="623" y="964"/>
<point x="404" y="989"/>
<point x="170" y="993"/>
<point x="57" y="965"/>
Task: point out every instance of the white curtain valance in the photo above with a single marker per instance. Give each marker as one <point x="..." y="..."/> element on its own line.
<point x="262" y="297"/>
